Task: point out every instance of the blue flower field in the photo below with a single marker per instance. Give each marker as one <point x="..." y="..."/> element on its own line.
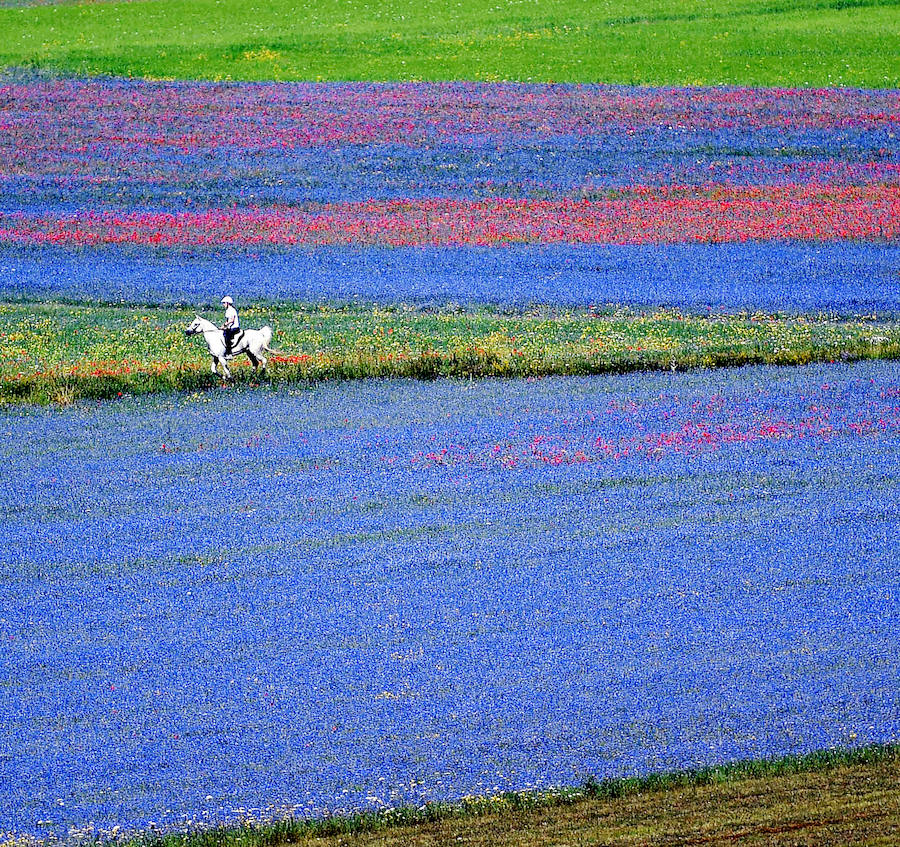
<point x="841" y="278"/>
<point x="293" y="598"/>
<point x="245" y="604"/>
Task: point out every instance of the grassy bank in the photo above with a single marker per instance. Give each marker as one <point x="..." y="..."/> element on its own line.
<point x="53" y="352"/>
<point x="836" y="797"/>
<point x="662" y="42"/>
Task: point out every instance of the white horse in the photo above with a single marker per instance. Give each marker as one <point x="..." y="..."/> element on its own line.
<point x="253" y="342"/>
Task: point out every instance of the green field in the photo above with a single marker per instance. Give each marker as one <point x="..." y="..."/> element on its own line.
<point x="63" y="352"/>
<point x="657" y="42"/>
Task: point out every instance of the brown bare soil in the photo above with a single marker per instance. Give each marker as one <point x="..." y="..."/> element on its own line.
<point x="844" y="805"/>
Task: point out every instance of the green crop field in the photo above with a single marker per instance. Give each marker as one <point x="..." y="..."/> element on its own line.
<point x="60" y="353"/>
<point x="658" y="42"/>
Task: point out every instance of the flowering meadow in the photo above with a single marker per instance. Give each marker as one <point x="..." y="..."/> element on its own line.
<point x="63" y="352"/>
<point x="220" y="607"/>
<point x="306" y="593"/>
<point x="840" y="278"/>
<point x="723" y="197"/>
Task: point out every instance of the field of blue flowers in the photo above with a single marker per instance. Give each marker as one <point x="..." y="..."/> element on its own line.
<point x="842" y="278"/>
<point x="723" y="197"/>
<point x="297" y="599"/>
<point x="245" y="604"/>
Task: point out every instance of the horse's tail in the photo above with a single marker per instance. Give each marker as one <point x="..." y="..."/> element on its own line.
<point x="267" y="338"/>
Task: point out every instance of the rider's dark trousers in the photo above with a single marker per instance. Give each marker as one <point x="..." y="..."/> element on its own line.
<point x="230" y="333"/>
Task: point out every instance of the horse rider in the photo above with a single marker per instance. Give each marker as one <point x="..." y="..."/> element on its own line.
<point x="232" y="324"/>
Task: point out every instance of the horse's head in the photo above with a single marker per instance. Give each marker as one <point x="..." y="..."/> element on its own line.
<point x="194" y="327"/>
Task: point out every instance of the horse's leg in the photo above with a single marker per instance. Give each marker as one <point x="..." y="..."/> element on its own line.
<point x="226" y="374"/>
<point x="258" y="359"/>
<point x="214" y="360"/>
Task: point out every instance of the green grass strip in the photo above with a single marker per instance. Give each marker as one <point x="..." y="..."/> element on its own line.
<point x="60" y="353"/>
<point x="296" y="830"/>
<point x="659" y="42"/>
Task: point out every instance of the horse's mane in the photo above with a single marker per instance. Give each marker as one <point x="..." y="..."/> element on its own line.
<point x="206" y="324"/>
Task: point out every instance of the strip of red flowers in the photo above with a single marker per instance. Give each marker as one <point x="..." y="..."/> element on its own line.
<point x="641" y="216"/>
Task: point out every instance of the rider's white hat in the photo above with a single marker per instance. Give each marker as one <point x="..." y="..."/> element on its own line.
<point x="227" y="301"/>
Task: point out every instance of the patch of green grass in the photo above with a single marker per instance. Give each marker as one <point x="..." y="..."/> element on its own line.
<point x="56" y="352"/>
<point x="683" y="42"/>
